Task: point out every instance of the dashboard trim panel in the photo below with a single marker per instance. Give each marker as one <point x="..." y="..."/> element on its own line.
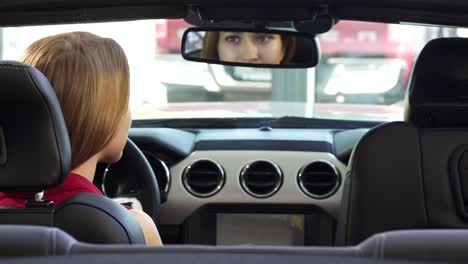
<point x="181" y="204"/>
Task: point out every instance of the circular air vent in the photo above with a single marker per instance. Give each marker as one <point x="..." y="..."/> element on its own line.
<point x="261" y="178"/>
<point x="161" y="170"/>
<point x="203" y="178"/>
<point x="319" y="179"/>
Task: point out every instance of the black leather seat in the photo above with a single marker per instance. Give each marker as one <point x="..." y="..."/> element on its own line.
<point x="413" y="174"/>
<point x="435" y="246"/>
<point x="25" y="241"/>
<point x="35" y="155"/>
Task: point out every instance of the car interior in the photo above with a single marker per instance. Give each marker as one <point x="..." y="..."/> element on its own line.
<point x="254" y="162"/>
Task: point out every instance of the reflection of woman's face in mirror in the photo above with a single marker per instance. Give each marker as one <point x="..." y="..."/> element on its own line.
<point x="247" y="47"/>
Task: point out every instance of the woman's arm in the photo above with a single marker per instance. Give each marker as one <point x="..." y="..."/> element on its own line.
<point x="148" y="227"/>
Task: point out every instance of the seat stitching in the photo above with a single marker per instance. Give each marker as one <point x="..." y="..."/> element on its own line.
<point x="54" y="241"/>
<point x="382" y="246"/>
<point x="423" y="186"/>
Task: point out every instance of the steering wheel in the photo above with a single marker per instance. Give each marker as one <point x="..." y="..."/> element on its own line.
<point x="134" y="164"/>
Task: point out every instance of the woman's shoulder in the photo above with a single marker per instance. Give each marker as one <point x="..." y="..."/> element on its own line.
<point x="150" y="231"/>
<point x="79" y="183"/>
<point x="72" y="185"/>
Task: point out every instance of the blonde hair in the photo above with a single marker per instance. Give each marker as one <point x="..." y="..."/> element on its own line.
<point x="90" y="76"/>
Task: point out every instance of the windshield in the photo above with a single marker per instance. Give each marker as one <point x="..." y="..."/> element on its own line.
<point x="363" y="72"/>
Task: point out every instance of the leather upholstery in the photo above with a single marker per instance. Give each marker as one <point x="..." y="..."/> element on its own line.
<point x="35" y="155"/>
<point x="33" y="241"/>
<point x="437" y="93"/>
<point x="30" y="216"/>
<point x="383" y="190"/>
<point x="97" y="219"/>
<point x="410" y="175"/>
<point x="444" y="246"/>
<point x="447" y="246"/>
<point x="87" y="217"/>
<point x="34" y="144"/>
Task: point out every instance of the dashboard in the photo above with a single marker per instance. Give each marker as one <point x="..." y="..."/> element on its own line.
<point x="234" y="186"/>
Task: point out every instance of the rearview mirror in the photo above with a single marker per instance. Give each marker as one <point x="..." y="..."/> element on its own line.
<point x="247" y="47"/>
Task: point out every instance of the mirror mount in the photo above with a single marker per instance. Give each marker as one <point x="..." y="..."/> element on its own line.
<point x="319" y="25"/>
<point x="259" y="25"/>
<point x="313" y="21"/>
<point x="256" y="13"/>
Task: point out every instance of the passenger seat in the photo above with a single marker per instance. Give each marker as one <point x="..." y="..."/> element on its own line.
<point x="414" y="174"/>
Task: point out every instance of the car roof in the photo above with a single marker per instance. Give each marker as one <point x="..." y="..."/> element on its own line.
<point x="30" y="12"/>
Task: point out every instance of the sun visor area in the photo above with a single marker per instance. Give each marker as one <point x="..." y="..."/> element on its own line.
<point x="43" y="16"/>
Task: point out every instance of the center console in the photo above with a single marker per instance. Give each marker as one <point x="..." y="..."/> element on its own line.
<point x="277" y="225"/>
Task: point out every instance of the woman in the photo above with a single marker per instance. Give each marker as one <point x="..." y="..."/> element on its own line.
<point x="90" y="76"/>
<point x="248" y="47"/>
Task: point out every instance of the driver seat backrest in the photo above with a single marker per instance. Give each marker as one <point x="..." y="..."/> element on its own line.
<point x="35" y="155"/>
<point x="413" y="174"/>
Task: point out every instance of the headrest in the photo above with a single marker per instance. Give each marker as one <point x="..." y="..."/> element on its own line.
<point x="34" y="144"/>
<point x="437" y="95"/>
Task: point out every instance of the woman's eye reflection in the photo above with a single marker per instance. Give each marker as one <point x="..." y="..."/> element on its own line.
<point x="232" y="39"/>
<point x="247" y="47"/>
<point x="264" y="38"/>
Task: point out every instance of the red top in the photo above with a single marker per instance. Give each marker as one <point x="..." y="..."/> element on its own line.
<point x="73" y="185"/>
